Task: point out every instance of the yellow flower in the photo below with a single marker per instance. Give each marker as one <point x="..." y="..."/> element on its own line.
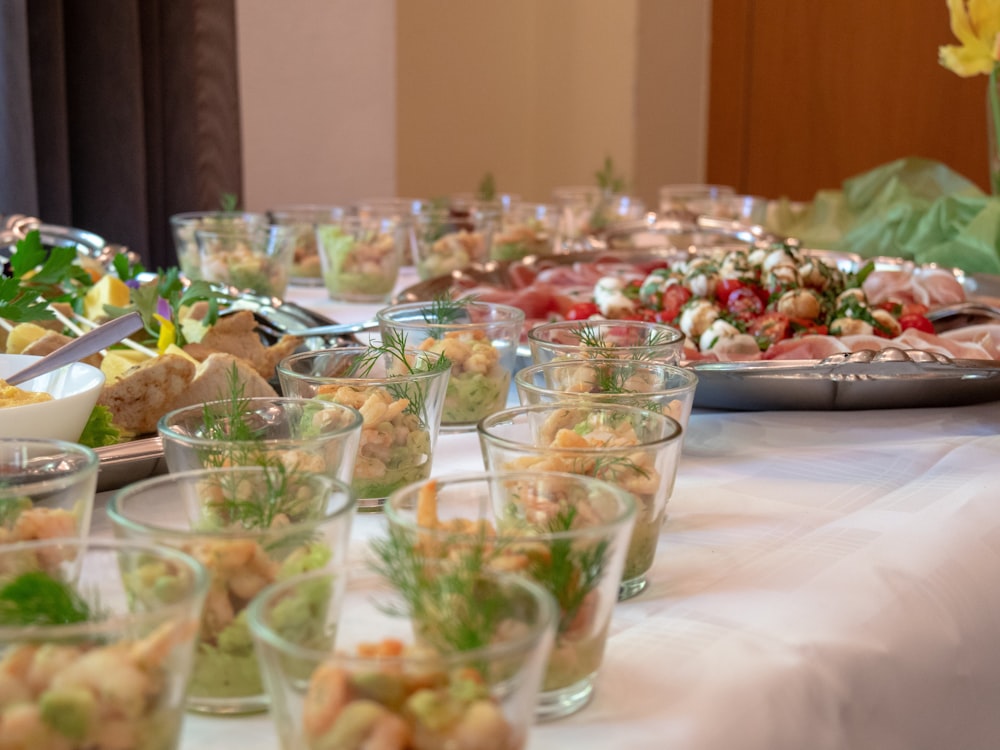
<point x="168" y="333"/>
<point x="976" y="24"/>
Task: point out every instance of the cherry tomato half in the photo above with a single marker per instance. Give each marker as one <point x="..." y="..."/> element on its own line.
<point x="744" y="304"/>
<point x="674" y="298"/>
<point x="582" y="311"/>
<point x="915" y="320"/>
<point x="772" y="326"/>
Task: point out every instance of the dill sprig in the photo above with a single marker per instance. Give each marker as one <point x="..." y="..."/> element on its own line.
<point x="245" y="501"/>
<point x="36" y="598"/>
<point x="486" y="191"/>
<point x="607" y="180"/>
<point x="450" y="602"/>
<point x="393" y="345"/>
<point x="612" y="468"/>
<point x="446" y="309"/>
<point x="571" y="570"/>
<point x="592" y="338"/>
<point x="242" y="501"/>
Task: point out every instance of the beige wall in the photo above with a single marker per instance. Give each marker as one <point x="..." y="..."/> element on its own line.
<point x="317" y="94"/>
<point x="347" y="99"/>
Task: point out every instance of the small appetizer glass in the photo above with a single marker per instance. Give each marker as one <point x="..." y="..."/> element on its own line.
<point x="585" y="213"/>
<point x="254" y="259"/>
<point x="694" y="198"/>
<point x="446" y="241"/>
<point x="526" y="229"/>
<point x="633" y="448"/>
<point x="102" y="657"/>
<point x="46" y="489"/>
<point x="372" y="661"/>
<point x="306" y="269"/>
<point x="399" y="393"/>
<point x="360" y="257"/>
<point x="651" y="385"/>
<point x="184" y="225"/>
<point x="566" y="532"/>
<point x="605" y="339"/>
<point x="299" y="434"/>
<point x="403" y="210"/>
<point x="479" y="338"/>
<point x="249" y="526"/>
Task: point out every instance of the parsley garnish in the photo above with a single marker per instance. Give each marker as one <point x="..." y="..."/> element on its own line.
<point x="39" y="275"/>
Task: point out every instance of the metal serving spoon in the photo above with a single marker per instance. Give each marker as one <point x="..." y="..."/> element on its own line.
<point x="89" y="343"/>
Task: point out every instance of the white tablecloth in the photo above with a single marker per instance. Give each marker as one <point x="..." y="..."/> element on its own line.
<point x="824" y="580"/>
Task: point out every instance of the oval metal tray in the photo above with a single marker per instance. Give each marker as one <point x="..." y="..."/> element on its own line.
<point x="866" y="380"/>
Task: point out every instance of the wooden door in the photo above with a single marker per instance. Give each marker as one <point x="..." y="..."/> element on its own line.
<point x="805" y="93"/>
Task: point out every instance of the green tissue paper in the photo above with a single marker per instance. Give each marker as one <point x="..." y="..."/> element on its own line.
<point x="910" y="208"/>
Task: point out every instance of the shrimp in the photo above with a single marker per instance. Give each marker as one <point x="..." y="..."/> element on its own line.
<point x="329" y="692"/>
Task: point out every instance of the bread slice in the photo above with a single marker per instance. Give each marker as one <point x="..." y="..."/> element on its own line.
<point x="147" y="392"/>
<point x="212" y="381"/>
<point x="236" y="334"/>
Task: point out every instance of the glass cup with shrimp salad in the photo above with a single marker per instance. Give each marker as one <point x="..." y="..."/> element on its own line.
<point x="96" y="643"/>
<point x="566" y="532"/>
<point x="634" y="448"/>
<point x="249" y="526"/>
<point x="436" y="659"/>
<point x="400" y="394"/>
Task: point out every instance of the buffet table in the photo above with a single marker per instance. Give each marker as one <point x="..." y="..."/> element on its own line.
<point x="824" y="580"/>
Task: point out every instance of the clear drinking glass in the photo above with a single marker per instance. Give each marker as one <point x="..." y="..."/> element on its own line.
<point x="255" y="259"/>
<point x="184" y="225"/>
<point x="526" y="229"/>
<point x="304" y="219"/>
<point x="297" y="433"/>
<point x="651" y="385"/>
<point x="361" y="657"/>
<point x="692" y="198"/>
<point x="480" y="339"/>
<point x="605" y="339"/>
<point x="446" y="242"/>
<point x="400" y="397"/>
<point x="635" y="449"/>
<point x="249" y="526"/>
<point x="566" y="532"/>
<point x="361" y="256"/>
<point x="110" y="666"/>
<point x="46" y="489"/>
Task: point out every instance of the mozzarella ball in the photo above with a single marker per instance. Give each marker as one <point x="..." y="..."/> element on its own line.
<point x="610" y="298"/>
<point x="716" y="333"/>
<point x="697" y="316"/>
<point x="800" y="303"/>
<point x="888" y="322"/>
<point x="851" y="327"/>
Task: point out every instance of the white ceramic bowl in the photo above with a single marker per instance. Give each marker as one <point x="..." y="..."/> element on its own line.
<point x="74" y="390"/>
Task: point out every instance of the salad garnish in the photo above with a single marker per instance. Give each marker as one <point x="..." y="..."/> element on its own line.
<point x="38" y="276"/>
<point x="37" y="598"/>
<point x="448" y="602"/>
<point x="609" y="182"/>
<point x="393" y="344"/>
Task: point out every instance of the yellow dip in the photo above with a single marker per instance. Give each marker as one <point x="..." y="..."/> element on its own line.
<point x="11" y="395"/>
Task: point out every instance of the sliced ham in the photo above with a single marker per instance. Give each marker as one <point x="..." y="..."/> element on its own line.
<point x="986" y="336"/>
<point x="926" y="286"/>
<point x="806" y="347"/>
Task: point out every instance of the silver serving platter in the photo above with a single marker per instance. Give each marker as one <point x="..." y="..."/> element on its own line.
<point x="863" y="380"/>
<point x="886" y="379"/>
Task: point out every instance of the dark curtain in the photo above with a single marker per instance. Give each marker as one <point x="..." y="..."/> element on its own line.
<point x="130" y="112"/>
